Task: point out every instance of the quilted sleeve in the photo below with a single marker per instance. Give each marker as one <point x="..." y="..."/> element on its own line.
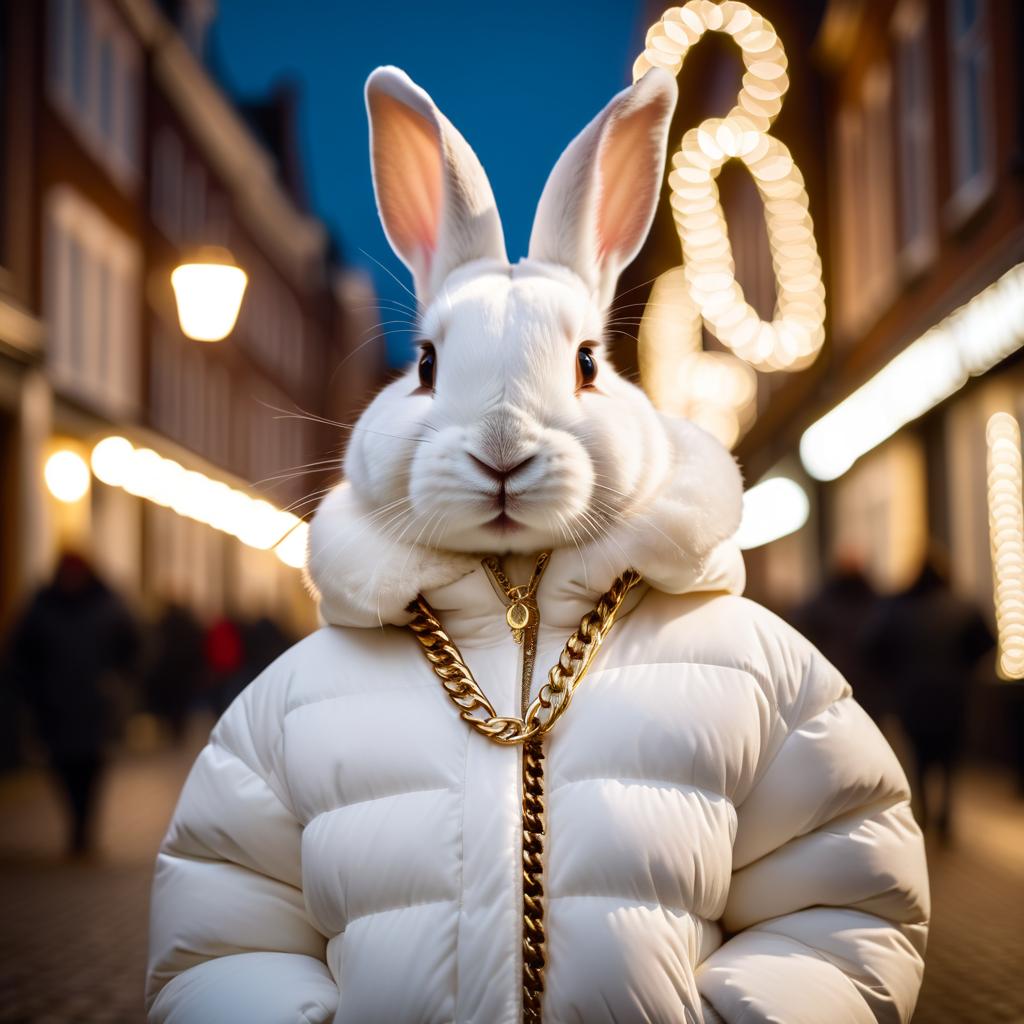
<point x="828" y="906"/>
<point x="230" y="939"/>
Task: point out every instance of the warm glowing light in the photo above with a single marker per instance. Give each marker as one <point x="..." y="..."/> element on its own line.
<point x="715" y="390"/>
<point x="111" y="460"/>
<point x="209" y="295"/>
<point x="67" y="476"/>
<point x="772" y="509"/>
<point x="1006" y="532"/>
<point x="148" y="475"/>
<point x="967" y="343"/>
<point x="794" y="336"/>
<point x="292" y="550"/>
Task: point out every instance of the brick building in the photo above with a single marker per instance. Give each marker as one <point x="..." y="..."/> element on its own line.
<point x="120" y="155"/>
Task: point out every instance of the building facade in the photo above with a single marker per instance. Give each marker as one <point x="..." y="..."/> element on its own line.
<point x="926" y="196"/>
<point x="907" y="121"/>
<point x="121" y="157"/>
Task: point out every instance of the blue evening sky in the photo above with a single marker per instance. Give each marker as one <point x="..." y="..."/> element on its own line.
<point x="517" y="79"/>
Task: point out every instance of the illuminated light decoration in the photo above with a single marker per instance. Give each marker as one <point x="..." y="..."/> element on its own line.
<point x="66" y="476"/>
<point x="715" y="390"/>
<point x="969" y="342"/>
<point x="208" y="291"/>
<point x="1006" y="532"/>
<point x="146" y="474"/>
<point x="111" y="459"/>
<point x="793" y="338"/>
<point x="292" y="550"/>
<point x="772" y="509"/>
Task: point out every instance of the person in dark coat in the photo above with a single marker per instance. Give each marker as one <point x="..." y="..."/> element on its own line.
<point x="177" y="668"/>
<point x="928" y="641"/>
<point x="834" y="620"/>
<point x="74" y="632"/>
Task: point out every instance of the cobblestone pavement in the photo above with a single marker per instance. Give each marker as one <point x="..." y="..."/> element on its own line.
<point x="73" y="936"/>
<point x="974" y="970"/>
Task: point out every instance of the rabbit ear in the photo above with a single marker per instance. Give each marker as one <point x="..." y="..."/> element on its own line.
<point x="598" y="204"/>
<point x="434" y="199"/>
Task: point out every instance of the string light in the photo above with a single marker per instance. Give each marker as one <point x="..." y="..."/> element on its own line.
<point x="1006" y="532"/>
<point x="772" y="509"/>
<point x="969" y="342"/>
<point x="715" y="390"/>
<point x="146" y="474"/>
<point x="793" y="338"/>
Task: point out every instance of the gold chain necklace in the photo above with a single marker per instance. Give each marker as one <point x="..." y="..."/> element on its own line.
<point x="537" y="719"/>
<point x="551" y="702"/>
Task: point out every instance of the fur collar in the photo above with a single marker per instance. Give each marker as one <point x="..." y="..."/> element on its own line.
<point x="678" y="541"/>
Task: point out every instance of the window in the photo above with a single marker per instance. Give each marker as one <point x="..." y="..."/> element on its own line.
<point x="916" y="139"/>
<point x="879" y="213"/>
<point x="93" y="77"/>
<point x="167" y="183"/>
<point x="971" y="59"/>
<point x="190" y="395"/>
<point x="90" y="288"/>
<point x="194" y="202"/>
<point x="867" y="242"/>
<point x="850" y="176"/>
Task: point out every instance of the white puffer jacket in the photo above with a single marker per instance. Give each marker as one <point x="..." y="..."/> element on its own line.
<point x="728" y="834"/>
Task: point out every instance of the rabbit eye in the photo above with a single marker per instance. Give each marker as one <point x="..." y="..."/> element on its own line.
<point x="428" y="367"/>
<point x="586" y="367"/>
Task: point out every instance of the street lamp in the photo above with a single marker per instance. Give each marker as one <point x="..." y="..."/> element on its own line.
<point x="208" y="290"/>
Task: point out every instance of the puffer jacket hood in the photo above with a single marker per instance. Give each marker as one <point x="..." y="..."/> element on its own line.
<point x="728" y="836"/>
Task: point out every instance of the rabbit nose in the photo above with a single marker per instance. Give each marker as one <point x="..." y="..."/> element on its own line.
<point x="502" y="472"/>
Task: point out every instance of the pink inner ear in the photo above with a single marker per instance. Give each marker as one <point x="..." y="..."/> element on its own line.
<point x="628" y="151"/>
<point x="410" y="187"/>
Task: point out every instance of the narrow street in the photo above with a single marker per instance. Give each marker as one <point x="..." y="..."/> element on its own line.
<point x="73" y="939"/>
<point x="74" y="935"/>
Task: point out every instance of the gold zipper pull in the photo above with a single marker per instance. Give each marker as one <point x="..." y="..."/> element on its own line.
<point x="518" y="614"/>
<point x="521" y="611"/>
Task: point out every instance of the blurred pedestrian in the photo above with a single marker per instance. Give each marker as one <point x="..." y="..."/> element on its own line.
<point x="176" y="669"/>
<point x="927" y="641"/>
<point x="834" y="620"/>
<point x="225" y="662"/>
<point x="74" y="634"/>
<point x="265" y="642"/>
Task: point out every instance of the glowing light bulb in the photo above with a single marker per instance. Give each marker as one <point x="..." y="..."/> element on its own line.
<point x="209" y="295"/>
<point x="111" y="460"/>
<point x="67" y="476"/>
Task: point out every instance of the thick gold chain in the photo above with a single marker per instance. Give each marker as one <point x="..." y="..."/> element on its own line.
<point x="534" y="830"/>
<point x="575" y="660"/>
<point x="551" y="702"/>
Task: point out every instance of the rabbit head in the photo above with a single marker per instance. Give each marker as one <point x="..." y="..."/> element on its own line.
<point x="511" y="431"/>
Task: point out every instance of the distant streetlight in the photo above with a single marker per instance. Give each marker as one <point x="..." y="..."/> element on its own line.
<point x="208" y="290"/>
<point x="67" y="476"/>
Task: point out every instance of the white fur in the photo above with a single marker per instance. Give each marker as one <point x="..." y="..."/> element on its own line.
<point x="602" y="476"/>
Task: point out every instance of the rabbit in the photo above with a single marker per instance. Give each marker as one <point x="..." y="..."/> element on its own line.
<point x="512" y="431"/>
<point x="713" y="831"/>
